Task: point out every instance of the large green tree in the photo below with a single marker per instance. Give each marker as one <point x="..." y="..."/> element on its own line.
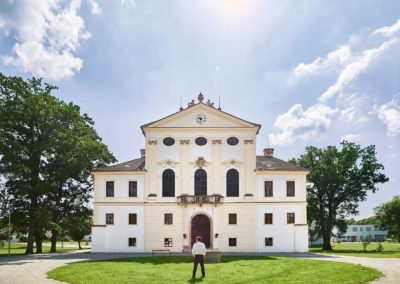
<point x="79" y="224"/>
<point x="338" y="181"/>
<point x="35" y="130"/>
<point x="387" y="217"/>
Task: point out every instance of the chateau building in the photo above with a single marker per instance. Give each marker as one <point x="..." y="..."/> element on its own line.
<point x="200" y="176"/>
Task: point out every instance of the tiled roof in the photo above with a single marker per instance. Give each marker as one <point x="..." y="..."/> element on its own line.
<point x="133" y="165"/>
<point x="275" y="164"/>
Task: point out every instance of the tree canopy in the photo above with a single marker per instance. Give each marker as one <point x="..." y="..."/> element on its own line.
<point x="47" y="151"/>
<point x="338" y="181"/>
<point x="388" y="217"/>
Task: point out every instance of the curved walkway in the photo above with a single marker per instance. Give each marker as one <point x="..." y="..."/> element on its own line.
<point x="32" y="269"/>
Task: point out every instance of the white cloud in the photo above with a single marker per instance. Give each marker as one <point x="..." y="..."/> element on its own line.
<point x="48" y="32"/>
<point x="332" y="60"/>
<point x="94" y="7"/>
<point x="389" y="114"/>
<point x="388" y="31"/>
<point x="353" y="69"/>
<point x="300" y="124"/>
<point x="350" y="137"/>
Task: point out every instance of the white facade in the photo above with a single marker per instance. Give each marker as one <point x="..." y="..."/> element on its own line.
<point x="199" y="204"/>
<point x="359" y="233"/>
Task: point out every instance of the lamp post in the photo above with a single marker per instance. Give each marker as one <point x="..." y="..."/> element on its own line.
<point x="9" y="228"/>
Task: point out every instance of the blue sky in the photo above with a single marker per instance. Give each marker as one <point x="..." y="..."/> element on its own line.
<point x="311" y="72"/>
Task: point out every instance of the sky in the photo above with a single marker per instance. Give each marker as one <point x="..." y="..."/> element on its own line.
<point x="310" y="72"/>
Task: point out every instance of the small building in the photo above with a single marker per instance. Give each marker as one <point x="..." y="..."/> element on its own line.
<point x="360" y="233"/>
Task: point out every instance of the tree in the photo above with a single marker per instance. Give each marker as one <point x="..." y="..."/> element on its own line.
<point x="337" y="182"/>
<point x="34" y="128"/>
<point x="80" y="224"/>
<point x="388" y="217"/>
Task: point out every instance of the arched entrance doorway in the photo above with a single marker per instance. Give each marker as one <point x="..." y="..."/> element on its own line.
<point x="200" y="226"/>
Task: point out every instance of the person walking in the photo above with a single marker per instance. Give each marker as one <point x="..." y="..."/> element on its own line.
<point x="199" y="251"/>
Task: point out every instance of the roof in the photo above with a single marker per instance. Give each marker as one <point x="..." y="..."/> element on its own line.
<point x="274" y="164"/>
<point x="200" y="103"/>
<point x="132" y="165"/>
<point x="263" y="164"/>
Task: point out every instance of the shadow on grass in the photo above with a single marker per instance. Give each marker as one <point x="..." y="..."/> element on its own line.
<point x="195" y="280"/>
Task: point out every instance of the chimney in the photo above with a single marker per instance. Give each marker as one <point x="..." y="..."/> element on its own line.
<point x="269" y="152"/>
<point x="142" y="153"/>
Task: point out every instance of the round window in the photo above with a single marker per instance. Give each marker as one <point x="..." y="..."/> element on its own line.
<point x="169" y="141"/>
<point x="233" y="141"/>
<point x="201" y="141"/>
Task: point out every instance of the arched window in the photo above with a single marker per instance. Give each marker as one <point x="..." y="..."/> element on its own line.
<point x="200" y="182"/>
<point x="232" y="183"/>
<point x="168" y="183"/>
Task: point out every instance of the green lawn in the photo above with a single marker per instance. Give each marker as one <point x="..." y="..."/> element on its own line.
<point x="19" y="248"/>
<point x="233" y="269"/>
<point x="391" y="250"/>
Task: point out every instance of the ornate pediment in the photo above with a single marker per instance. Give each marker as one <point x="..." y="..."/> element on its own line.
<point x="168" y="163"/>
<point x="232" y="163"/>
<point x="200" y="163"/>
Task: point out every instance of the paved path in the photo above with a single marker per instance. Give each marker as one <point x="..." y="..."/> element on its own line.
<point x="32" y="269"/>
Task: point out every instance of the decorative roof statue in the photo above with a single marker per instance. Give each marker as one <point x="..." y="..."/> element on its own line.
<point x="200" y="97"/>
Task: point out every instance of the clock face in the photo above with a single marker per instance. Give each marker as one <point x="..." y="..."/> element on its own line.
<point x="201" y="118"/>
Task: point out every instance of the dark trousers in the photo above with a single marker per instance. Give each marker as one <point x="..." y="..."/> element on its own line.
<point x="199" y="258"/>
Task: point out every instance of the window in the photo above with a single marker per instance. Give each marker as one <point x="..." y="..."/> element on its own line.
<point x="168" y="242"/>
<point x="168" y="183"/>
<point x="361" y="229"/>
<point x="232" y="218"/>
<point x="232" y="242"/>
<point x="290" y="218"/>
<point x="268" y="188"/>
<point x="133" y="189"/>
<point x="169" y="141"/>
<point x="168" y="219"/>
<point x="110" y="218"/>
<point x="232" y="141"/>
<point x="232" y="183"/>
<point x="200" y="182"/>
<point x="368" y="229"/>
<point x="132" y="219"/>
<point x="290" y="188"/>
<point x="201" y="141"/>
<point x="268" y="242"/>
<point x="361" y="238"/>
<point x="132" y="242"/>
<point x="355" y="229"/>
<point x="109" y="189"/>
<point x="268" y="218"/>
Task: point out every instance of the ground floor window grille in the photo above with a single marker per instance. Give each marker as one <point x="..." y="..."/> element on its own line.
<point x="168" y="242"/>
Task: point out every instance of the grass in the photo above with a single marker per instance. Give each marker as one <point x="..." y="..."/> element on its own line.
<point x="19" y="248"/>
<point x="390" y="250"/>
<point x="233" y="269"/>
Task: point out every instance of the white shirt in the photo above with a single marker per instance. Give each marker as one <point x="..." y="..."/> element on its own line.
<point x="199" y="248"/>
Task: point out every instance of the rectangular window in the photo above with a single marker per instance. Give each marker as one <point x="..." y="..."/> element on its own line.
<point x="268" y="218"/>
<point x="361" y="229"/>
<point x="168" y="242"/>
<point x="355" y="229"/>
<point x="109" y="189"/>
<point x="232" y="218"/>
<point x="232" y="242"/>
<point x="268" y="188"/>
<point x="290" y="218"/>
<point x="110" y="218"/>
<point x="132" y="219"/>
<point x="133" y="189"/>
<point x="268" y="242"/>
<point x="368" y="229"/>
<point x="132" y="242"/>
<point x="289" y="188"/>
<point x="168" y="219"/>
<point x="361" y="238"/>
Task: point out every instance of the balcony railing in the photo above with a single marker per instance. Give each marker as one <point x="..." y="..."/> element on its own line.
<point x="200" y="199"/>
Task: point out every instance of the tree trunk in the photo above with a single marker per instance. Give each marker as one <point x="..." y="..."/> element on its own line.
<point x="29" y="245"/>
<point x="54" y="236"/>
<point x="79" y="244"/>
<point x="38" y="240"/>
<point x="327" y="241"/>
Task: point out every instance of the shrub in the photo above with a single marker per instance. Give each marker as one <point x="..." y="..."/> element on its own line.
<point x="380" y="247"/>
<point x="365" y="244"/>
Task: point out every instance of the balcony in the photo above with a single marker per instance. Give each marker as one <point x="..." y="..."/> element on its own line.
<point x="200" y="199"/>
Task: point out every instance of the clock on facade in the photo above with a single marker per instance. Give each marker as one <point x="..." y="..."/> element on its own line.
<point x="201" y="118"/>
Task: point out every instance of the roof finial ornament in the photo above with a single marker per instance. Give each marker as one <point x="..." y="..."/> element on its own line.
<point x="200" y="97"/>
<point x="219" y="102"/>
<point x="181" y="108"/>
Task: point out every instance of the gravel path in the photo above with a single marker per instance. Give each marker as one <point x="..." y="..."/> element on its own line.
<point x="32" y="269"/>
